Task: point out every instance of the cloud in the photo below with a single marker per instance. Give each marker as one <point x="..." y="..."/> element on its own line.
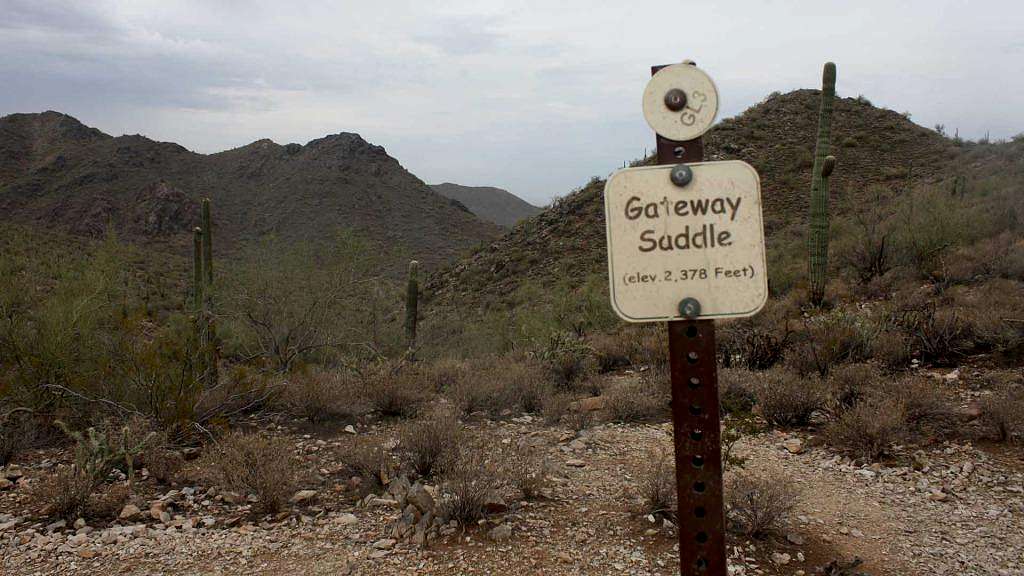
<point x="532" y="96"/>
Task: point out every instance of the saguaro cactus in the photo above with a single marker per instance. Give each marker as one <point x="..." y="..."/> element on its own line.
<point x="207" y="246"/>
<point x="412" y="295"/>
<point x="823" y="166"/>
<point x="197" y="270"/>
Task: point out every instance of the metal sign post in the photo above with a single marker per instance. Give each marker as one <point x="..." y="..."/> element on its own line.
<point x="685" y="246"/>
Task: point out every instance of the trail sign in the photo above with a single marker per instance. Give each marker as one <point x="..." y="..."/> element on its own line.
<point x="685" y="250"/>
<point x="685" y="245"/>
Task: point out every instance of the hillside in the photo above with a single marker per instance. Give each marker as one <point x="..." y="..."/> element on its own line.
<point x="492" y="204"/>
<point x="873" y="146"/>
<point x="58" y="174"/>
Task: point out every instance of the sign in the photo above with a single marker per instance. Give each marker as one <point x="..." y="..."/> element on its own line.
<point x="680" y="102"/>
<point x="686" y="251"/>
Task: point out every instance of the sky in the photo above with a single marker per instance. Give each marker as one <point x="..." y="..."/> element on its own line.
<point x="533" y="97"/>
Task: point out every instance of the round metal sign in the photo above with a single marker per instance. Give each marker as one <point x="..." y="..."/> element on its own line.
<point x="680" y="102"/>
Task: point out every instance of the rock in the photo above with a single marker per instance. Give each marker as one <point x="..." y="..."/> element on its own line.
<point x="495" y="505"/>
<point x="129" y="512"/>
<point x="919" y="461"/>
<point x="938" y="496"/>
<point x="575" y="463"/>
<point x="56" y="525"/>
<point x="500" y="533"/>
<point x="80" y="523"/>
<point x="592" y="404"/>
<point x="378" y="554"/>
<point x="795" y="539"/>
<point x="78" y="540"/>
<point x="384" y="544"/>
<point x="398" y="489"/>
<point x="420" y="498"/>
<point x="5" y="484"/>
<point x="87" y="553"/>
<point x="869" y="474"/>
<point x="108" y="537"/>
<point x="13" y="473"/>
<point x="780" y="558"/>
<point x="346" y="520"/>
<point x="350" y="429"/>
<point x="578" y="445"/>
<point x="856" y="533"/>
<point x="303" y="497"/>
<point x="794" y="445"/>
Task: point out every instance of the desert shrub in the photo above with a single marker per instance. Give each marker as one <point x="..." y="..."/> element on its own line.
<point x="830" y="339"/>
<point x="527" y="471"/>
<point x="927" y="409"/>
<point x="868" y="429"/>
<point x="993" y="312"/>
<point x="929" y="225"/>
<point x="429" y="439"/>
<point x="107" y="502"/>
<point x="787" y="399"/>
<point x="470" y="479"/>
<point x="657" y="485"/>
<point x="736" y="390"/>
<point x="613" y="351"/>
<point x="111" y="445"/>
<point x="758" y="505"/>
<point x="501" y="384"/>
<point x="318" y="396"/>
<point x="368" y="459"/>
<point x="759" y="342"/>
<point x="555" y="406"/>
<point x="1002" y="412"/>
<point x="634" y="401"/>
<point x="396" y="389"/>
<point x="940" y="335"/>
<point x="892" y="349"/>
<point x="163" y="463"/>
<point x="578" y="420"/>
<point x="18" y="432"/>
<point x="256" y="464"/>
<point x="850" y="383"/>
<point x="65" y="493"/>
<point x="865" y="247"/>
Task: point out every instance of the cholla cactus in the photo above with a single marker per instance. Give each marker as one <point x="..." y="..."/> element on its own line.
<point x="823" y="166"/>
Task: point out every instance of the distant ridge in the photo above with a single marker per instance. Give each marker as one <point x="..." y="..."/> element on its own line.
<point x="58" y="174"/>
<point x="492" y="204"/>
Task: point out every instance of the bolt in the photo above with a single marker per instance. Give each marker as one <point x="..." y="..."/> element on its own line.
<point x="689" y="308"/>
<point x="681" y="175"/>
<point x="675" y="99"/>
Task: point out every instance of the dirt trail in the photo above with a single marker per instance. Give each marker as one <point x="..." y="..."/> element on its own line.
<point x="887" y="516"/>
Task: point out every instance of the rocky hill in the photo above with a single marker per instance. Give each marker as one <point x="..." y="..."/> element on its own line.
<point x="873" y="146"/>
<point x="492" y="204"/>
<point x="56" y="173"/>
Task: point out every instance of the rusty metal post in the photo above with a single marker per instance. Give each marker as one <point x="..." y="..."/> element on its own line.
<point x="696" y="428"/>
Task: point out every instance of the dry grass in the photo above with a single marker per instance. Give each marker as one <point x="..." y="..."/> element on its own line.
<point x="658" y="485"/>
<point x="758" y="505"/>
<point x="398" y="389"/>
<point x="787" y="399"/>
<point x="527" y="471"/>
<point x="501" y="385"/>
<point x="736" y="390"/>
<point x="1002" y="412"/>
<point x="17" y="434"/>
<point x="469" y="481"/>
<point x="255" y="464"/>
<point x="928" y="409"/>
<point x="850" y="383"/>
<point x="65" y="493"/>
<point x="428" y="440"/>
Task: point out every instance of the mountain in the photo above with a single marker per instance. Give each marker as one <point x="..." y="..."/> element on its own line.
<point x="873" y="147"/>
<point x="492" y="204"/>
<point x="56" y="173"/>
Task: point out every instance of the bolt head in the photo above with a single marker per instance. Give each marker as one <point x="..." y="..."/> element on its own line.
<point x="681" y="175"/>
<point x="689" y="308"/>
<point x="675" y="99"/>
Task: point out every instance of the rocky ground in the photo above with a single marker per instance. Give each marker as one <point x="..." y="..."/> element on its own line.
<point x="945" y="509"/>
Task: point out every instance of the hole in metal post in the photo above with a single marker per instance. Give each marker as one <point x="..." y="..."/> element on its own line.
<point x="698" y="461"/>
<point x="700" y="512"/>
<point x="692" y="331"/>
<point x="692" y="357"/>
<point x="702" y="537"/>
<point x="694" y="383"/>
<point x="696" y="435"/>
<point x="695" y="409"/>
<point x="678" y="151"/>
<point x="699" y="487"/>
<point x="701" y="564"/>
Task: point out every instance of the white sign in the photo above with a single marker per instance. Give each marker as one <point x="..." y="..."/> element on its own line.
<point x="693" y="114"/>
<point x="700" y="242"/>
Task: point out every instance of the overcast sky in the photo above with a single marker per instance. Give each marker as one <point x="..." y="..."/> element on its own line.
<point x="534" y="97"/>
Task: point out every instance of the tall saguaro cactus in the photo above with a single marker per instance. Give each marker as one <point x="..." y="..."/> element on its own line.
<point x="202" y="304"/>
<point x="197" y="270"/>
<point x="207" y="246"/>
<point x="823" y="166"/>
<point x="412" y="295"/>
